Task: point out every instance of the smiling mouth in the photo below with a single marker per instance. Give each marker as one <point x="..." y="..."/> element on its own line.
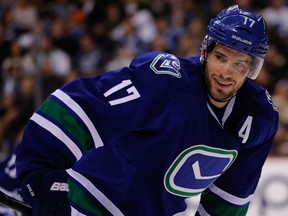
<point x="222" y="83"/>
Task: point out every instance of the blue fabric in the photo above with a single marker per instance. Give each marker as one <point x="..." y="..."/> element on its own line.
<point x="47" y="192"/>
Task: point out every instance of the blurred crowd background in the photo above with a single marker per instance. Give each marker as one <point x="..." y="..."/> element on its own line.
<point x="44" y="44"/>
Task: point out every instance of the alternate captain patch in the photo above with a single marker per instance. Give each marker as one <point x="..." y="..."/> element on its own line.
<point x="166" y="64"/>
<point x="196" y="168"/>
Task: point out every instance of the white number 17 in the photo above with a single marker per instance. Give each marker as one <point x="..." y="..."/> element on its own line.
<point x="132" y="93"/>
<point x="249" y="21"/>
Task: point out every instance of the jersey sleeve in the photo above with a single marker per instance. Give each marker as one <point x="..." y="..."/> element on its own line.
<point x="92" y="112"/>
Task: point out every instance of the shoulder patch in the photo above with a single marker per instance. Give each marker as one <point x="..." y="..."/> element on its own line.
<point x="166" y="64"/>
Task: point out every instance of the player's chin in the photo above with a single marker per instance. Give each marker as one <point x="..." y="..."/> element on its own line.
<point x="221" y="96"/>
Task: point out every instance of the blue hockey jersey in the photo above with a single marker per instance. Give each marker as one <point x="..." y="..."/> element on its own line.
<point x="155" y="140"/>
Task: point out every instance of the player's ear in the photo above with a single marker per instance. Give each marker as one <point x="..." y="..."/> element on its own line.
<point x="202" y="54"/>
<point x="203" y="49"/>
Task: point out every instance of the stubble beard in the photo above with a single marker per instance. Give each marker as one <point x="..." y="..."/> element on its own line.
<point x="217" y="94"/>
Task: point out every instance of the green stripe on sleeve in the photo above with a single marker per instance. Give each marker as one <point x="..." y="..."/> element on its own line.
<point x="61" y="115"/>
<point x="216" y="206"/>
<point x="82" y="200"/>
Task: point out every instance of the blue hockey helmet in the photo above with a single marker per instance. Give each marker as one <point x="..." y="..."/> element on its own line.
<point x="241" y="30"/>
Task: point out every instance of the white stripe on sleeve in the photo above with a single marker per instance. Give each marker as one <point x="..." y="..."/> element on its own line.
<point x="58" y="133"/>
<point x="80" y="112"/>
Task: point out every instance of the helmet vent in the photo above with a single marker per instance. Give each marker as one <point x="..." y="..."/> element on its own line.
<point x="244" y="29"/>
<point x="230" y="26"/>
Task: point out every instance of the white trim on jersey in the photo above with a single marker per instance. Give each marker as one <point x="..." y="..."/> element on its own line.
<point x="227" y="112"/>
<point x="74" y="212"/>
<point x="82" y="115"/>
<point x="58" y="133"/>
<point x="202" y="211"/>
<point x="95" y="192"/>
<point x="229" y="197"/>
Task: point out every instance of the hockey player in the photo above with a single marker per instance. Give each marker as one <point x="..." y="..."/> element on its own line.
<point x="161" y="130"/>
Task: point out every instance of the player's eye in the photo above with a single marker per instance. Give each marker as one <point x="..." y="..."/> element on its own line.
<point x="240" y="66"/>
<point x="220" y="57"/>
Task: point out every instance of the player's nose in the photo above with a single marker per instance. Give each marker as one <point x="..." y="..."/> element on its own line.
<point x="226" y="70"/>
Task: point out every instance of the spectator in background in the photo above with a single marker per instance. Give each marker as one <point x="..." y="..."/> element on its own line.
<point x="122" y="58"/>
<point x="16" y="94"/>
<point x="62" y="9"/>
<point x="87" y="6"/>
<point x="25" y="15"/>
<point x="8" y="25"/>
<point x="195" y="29"/>
<point x="63" y="37"/>
<point x="280" y="98"/>
<point x="216" y="6"/>
<point x="4" y="4"/>
<point x="4" y="48"/>
<point x="25" y="103"/>
<point x="266" y="79"/>
<point x="125" y="35"/>
<point x="19" y="57"/>
<point x="8" y="110"/>
<point x="15" y="111"/>
<point x="105" y="43"/>
<point x="113" y="14"/>
<point x="245" y="4"/>
<point x="58" y="59"/>
<point x="88" y="60"/>
<point x="276" y="63"/>
<point x="13" y="67"/>
<point x="159" y="44"/>
<point x="54" y="64"/>
<point x="169" y="35"/>
<point x="32" y="39"/>
<point x="77" y="25"/>
<point x="11" y="81"/>
<point x="276" y="15"/>
<point x="142" y="20"/>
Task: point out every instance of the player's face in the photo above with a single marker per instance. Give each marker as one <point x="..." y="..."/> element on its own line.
<point x="226" y="71"/>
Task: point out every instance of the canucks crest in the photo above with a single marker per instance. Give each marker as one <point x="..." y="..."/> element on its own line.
<point x="166" y="64"/>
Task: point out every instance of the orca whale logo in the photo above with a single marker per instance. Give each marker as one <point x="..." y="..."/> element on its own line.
<point x="166" y="64"/>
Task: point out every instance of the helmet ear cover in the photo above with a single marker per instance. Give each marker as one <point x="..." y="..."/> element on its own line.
<point x="207" y="47"/>
<point x="240" y="30"/>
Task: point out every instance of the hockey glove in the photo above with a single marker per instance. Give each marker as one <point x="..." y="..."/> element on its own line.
<point x="47" y="193"/>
